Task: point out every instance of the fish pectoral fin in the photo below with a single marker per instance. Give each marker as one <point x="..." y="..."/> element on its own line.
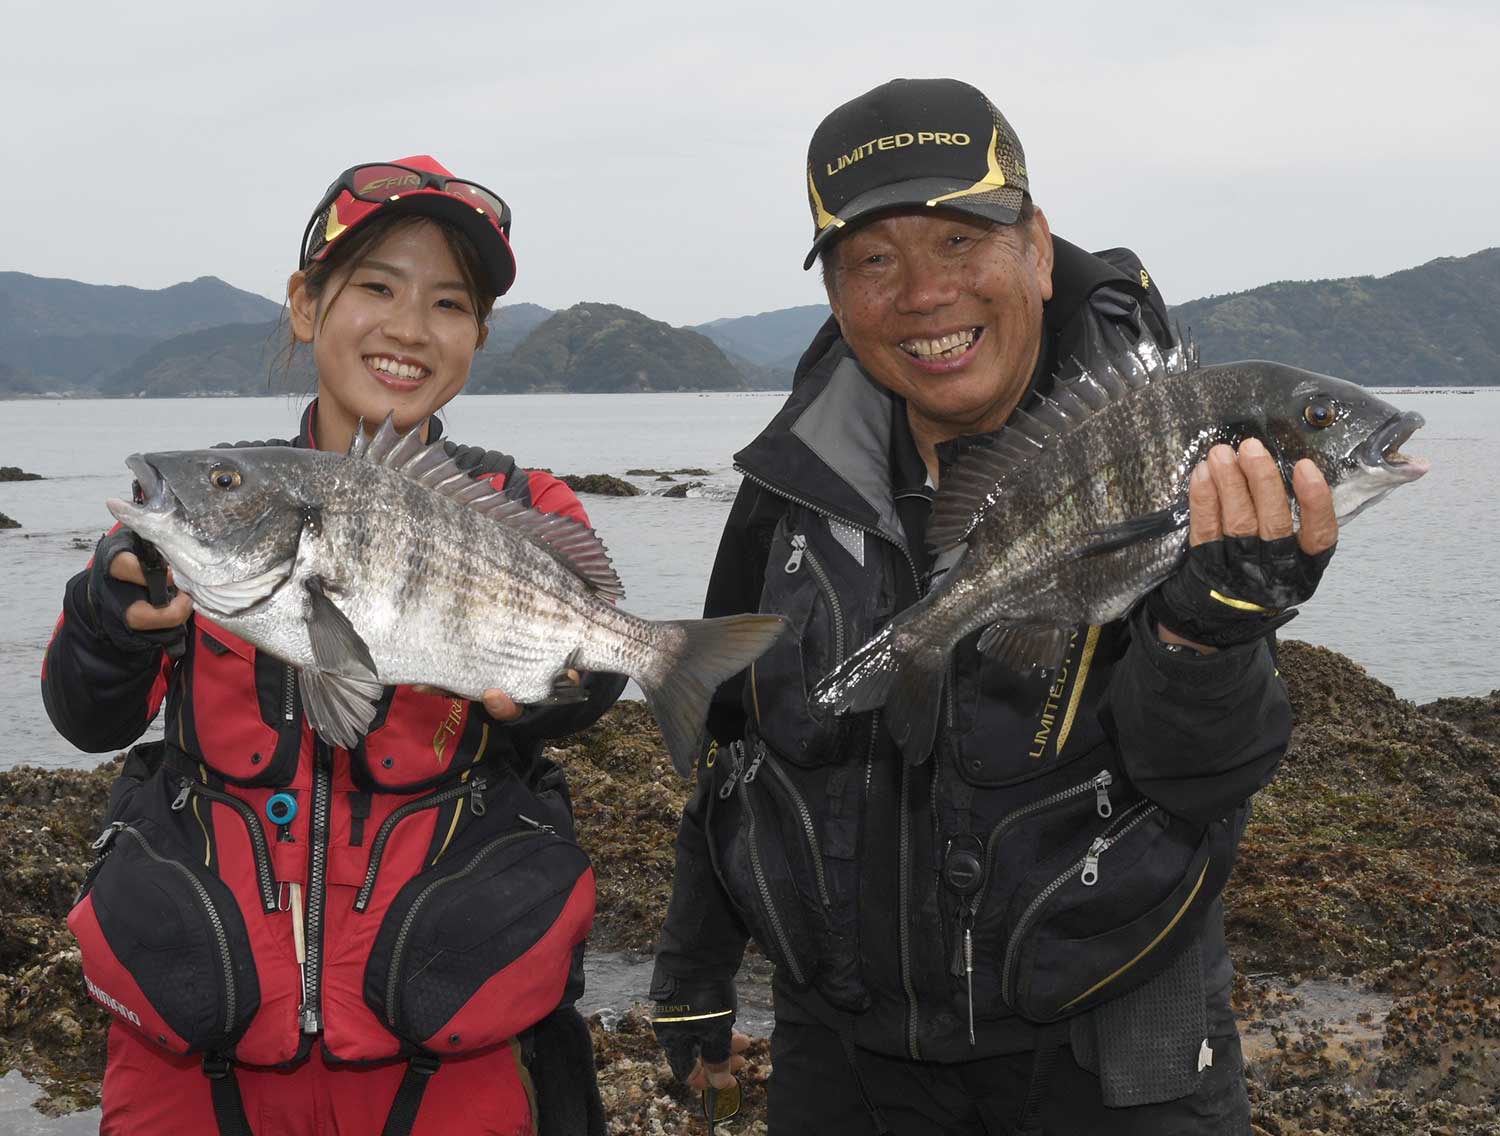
<point x="336" y="646"/>
<point x="340" y="707"/>
<point x="1024" y="646"/>
<point x="1134" y="531"/>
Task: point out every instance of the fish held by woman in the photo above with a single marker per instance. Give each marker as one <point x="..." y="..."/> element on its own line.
<point x="1080" y="508"/>
<point x="391" y="565"/>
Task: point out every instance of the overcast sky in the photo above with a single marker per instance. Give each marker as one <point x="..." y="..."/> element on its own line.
<point x="654" y="152"/>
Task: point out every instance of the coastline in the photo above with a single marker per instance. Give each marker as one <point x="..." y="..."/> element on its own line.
<point x="1363" y="915"/>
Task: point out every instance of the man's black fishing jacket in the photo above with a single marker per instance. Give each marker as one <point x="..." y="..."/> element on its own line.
<point x="1069" y="835"/>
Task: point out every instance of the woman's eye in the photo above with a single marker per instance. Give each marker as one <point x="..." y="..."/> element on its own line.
<point x="377" y="287"/>
<point x="452" y="305"/>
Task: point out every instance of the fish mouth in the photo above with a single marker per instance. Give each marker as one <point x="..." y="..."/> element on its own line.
<point x="149" y="493"/>
<point x="1382" y="449"/>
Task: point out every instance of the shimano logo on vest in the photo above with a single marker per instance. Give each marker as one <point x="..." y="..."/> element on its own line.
<point x="110" y="1004"/>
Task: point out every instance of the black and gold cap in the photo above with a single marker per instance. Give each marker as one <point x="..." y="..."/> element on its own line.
<point x="933" y="143"/>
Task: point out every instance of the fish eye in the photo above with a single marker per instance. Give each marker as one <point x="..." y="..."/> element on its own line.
<point x="1320" y="414"/>
<point x="224" y="477"/>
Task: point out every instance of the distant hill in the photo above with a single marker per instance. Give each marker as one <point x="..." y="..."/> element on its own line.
<point x="511" y="323"/>
<point x="61" y="334"/>
<point x="606" y="348"/>
<point x="237" y="358"/>
<point x="770" y="338"/>
<point x="1435" y="325"/>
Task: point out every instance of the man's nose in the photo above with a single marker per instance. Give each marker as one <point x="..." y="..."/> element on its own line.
<point x="927" y="284"/>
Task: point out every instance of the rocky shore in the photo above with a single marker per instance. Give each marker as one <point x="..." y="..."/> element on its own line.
<point x="1364" y="916"/>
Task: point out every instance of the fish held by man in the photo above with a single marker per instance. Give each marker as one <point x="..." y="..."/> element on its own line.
<point x="1080" y="508"/>
<point x="391" y="565"/>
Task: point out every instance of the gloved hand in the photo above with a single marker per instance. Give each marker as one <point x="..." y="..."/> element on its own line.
<point x="131" y="597"/>
<point x="1245" y="567"/>
<point x="1237" y="588"/>
<point x="693" y="1020"/>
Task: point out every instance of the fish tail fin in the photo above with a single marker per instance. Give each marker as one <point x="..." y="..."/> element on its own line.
<point x="707" y="652"/>
<point x="891" y="670"/>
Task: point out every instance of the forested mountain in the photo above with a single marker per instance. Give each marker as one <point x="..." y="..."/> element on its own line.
<point x="1435" y="325"/>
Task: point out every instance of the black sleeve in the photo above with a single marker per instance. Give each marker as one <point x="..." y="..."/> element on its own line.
<point x="99" y="677"/>
<point x="537" y="722"/>
<point x="703" y="939"/>
<point x="1198" y="734"/>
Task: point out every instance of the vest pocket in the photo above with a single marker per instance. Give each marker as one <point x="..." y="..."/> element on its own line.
<point x="478" y="948"/>
<point x="163" y="942"/>
<point x="768" y="853"/>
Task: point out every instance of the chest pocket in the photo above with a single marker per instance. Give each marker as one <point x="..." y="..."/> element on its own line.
<point x="224" y="677"/>
<point x="416" y="739"/>
<point x="821" y="580"/>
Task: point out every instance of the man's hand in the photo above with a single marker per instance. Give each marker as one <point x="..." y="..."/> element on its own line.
<point x="694" y="1025"/>
<point x="1244" y="566"/>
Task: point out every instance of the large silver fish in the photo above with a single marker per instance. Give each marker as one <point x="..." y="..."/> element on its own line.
<point x="391" y="565"/>
<point x="1080" y="509"/>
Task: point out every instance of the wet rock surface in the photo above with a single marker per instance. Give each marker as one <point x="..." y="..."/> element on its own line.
<point x="8" y="522"/>
<point x="600" y="483"/>
<point x="1364" y="917"/>
<point x="15" y="473"/>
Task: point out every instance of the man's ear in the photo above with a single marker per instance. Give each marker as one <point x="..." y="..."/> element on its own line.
<point x="1041" y="251"/>
<point x="301" y="307"/>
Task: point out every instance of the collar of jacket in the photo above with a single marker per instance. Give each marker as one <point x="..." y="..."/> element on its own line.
<point x="306" y="441"/>
<point x="829" y="445"/>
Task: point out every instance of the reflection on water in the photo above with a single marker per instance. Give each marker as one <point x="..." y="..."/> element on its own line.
<point x="19" y="1118"/>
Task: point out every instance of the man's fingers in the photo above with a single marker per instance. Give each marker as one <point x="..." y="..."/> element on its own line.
<point x="1320" y="527"/>
<point x="1203" y="507"/>
<point x="1236" y="506"/>
<point x="142" y="616"/>
<point x="739" y="1042"/>
<point x="1273" y="514"/>
<point x="127" y="566"/>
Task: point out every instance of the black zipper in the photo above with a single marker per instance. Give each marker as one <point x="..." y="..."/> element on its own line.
<point x="264" y="876"/>
<point x="1098" y="784"/>
<point x="763" y="885"/>
<point x="476" y="787"/>
<point x="311" y="1014"/>
<point x="800" y="552"/>
<point x="289" y="693"/>
<point x="393" y="981"/>
<point x="216" y="923"/>
<point x="807" y="823"/>
<point x="1135" y="815"/>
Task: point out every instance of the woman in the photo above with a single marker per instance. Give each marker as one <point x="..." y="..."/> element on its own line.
<point x="294" y="937"/>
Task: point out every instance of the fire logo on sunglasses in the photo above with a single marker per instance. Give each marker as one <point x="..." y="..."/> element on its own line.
<point x="389" y="183"/>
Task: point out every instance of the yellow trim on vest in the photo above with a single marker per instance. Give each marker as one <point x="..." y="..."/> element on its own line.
<point x="993" y="179"/>
<point x="1242" y="605"/>
<point x="208" y="842"/>
<point x="527" y="1085"/>
<point x="1083" y="676"/>
<point x="458" y="805"/>
<point x="694" y="1017"/>
<point x="1149" y="947"/>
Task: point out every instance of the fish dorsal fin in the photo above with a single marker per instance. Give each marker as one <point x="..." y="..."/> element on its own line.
<point x="576" y="546"/>
<point x="1120" y="366"/>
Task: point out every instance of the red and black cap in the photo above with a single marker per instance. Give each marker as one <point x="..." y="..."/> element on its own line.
<point x="418" y="185"/>
<point x="929" y="143"/>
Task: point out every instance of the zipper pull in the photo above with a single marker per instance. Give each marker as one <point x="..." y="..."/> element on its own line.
<point x="1102" y="804"/>
<point x="969" y="974"/>
<point x="536" y="824"/>
<point x="180" y="801"/>
<point x="107" y="837"/>
<point x="737" y="760"/>
<point x="1090" y="874"/>
<point x="760" y="755"/>
<point x="476" y="797"/>
<point x="799" y="546"/>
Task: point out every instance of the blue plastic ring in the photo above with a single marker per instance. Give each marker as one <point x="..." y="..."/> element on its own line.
<point x="281" y="808"/>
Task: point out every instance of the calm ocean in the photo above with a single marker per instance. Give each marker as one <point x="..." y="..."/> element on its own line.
<point x="1410" y="594"/>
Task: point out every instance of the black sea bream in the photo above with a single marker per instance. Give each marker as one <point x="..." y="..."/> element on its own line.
<point x="1080" y="509"/>
<point x="391" y="565"/>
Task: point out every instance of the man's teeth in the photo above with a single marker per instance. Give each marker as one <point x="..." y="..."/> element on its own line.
<point x="946" y="347"/>
<point x="397" y="370"/>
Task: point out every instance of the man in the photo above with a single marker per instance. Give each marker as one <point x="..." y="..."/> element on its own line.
<point x="1022" y="932"/>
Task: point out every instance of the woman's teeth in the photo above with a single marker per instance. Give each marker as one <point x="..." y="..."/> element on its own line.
<point x="395" y="369"/>
<point x="946" y="347"/>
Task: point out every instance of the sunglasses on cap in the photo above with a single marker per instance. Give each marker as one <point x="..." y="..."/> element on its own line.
<point x="385" y="182"/>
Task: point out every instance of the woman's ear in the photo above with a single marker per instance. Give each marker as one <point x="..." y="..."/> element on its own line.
<point x="302" y="306"/>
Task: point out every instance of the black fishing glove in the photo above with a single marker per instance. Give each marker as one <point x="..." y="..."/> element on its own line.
<point x="692" y="1020"/>
<point x="1236" y="589"/>
<point x="109" y="597"/>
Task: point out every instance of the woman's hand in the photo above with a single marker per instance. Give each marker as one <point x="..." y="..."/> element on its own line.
<point x="142" y="615"/>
